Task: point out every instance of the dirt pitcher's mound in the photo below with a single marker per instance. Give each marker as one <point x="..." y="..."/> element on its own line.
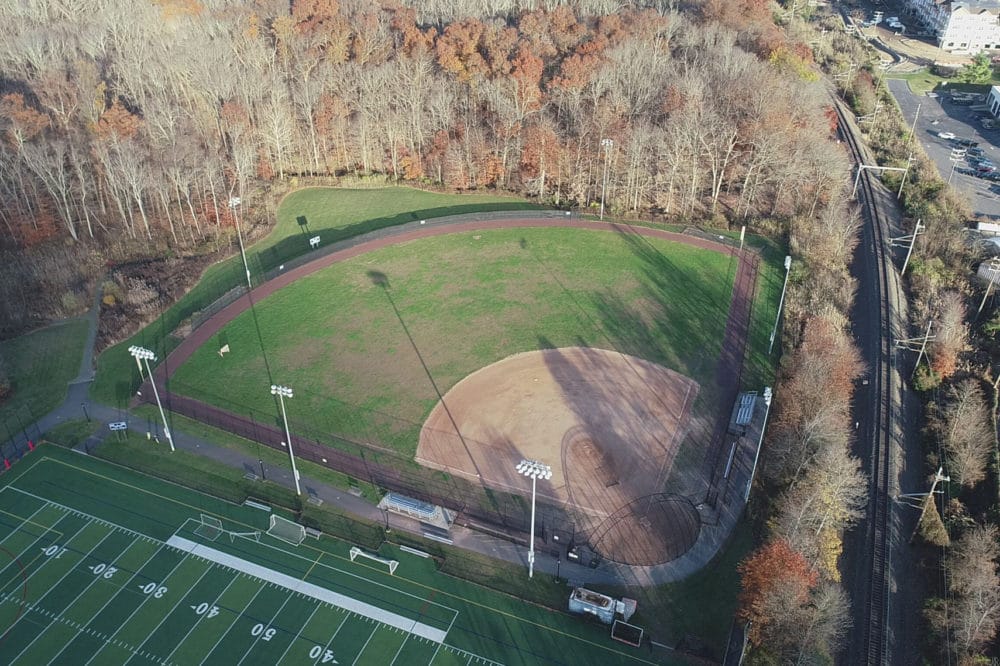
<point x="607" y="423"/>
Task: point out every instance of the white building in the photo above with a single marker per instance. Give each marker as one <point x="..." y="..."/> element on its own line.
<point x="960" y="26"/>
<point x="993" y="101"/>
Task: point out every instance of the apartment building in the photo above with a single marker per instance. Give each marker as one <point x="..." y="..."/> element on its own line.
<point x="960" y="26"/>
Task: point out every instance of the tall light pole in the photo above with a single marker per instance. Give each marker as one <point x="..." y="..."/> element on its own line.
<point x="284" y="392"/>
<point x="533" y="470"/>
<point x="607" y="145"/>
<point x="147" y="355"/>
<point x="777" y="318"/>
<point x="768" y="396"/>
<point x="956" y="156"/>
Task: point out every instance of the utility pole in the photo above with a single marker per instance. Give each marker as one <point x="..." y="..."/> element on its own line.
<point x="928" y="499"/>
<point x="992" y="275"/>
<point x="911" y="239"/>
<point x="911" y="342"/>
<point x="913" y="127"/>
<point x="957" y="155"/>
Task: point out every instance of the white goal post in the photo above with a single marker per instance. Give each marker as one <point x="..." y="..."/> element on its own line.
<point x="209" y="527"/>
<point x="286" y="530"/>
<point x="355" y="552"/>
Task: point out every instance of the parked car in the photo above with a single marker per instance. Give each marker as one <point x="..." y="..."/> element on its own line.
<point x="947" y="135"/>
<point x="969" y="143"/>
<point x="976" y="152"/>
<point x="986" y="168"/>
<point x="966" y="171"/>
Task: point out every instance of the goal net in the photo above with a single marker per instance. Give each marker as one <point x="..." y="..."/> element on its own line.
<point x="209" y="528"/>
<point x="286" y="530"/>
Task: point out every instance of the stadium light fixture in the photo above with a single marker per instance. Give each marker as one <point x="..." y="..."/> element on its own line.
<point x="284" y="392"/>
<point x="534" y="470"/>
<point x="777" y="317"/>
<point x="141" y="354"/>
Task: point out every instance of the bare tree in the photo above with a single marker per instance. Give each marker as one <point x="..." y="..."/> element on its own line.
<point x="962" y="424"/>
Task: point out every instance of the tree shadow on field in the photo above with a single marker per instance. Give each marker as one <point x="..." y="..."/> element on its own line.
<point x="381" y="280"/>
<point x="295" y="245"/>
<point x="678" y="321"/>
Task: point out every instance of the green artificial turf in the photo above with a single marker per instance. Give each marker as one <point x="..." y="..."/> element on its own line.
<point x="40" y="365"/>
<point x="367" y="344"/>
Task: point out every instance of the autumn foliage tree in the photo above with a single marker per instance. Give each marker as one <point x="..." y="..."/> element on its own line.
<point x="776" y="582"/>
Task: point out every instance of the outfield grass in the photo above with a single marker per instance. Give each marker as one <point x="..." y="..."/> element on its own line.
<point x="40" y="365"/>
<point x="367" y="343"/>
<point x="104" y="585"/>
<point x="924" y="81"/>
<point x="333" y="213"/>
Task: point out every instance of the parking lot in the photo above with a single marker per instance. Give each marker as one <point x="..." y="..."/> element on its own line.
<point x="940" y="115"/>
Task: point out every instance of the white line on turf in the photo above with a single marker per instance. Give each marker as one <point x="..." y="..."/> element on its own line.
<point x="309" y="589"/>
<point x="365" y="647"/>
<point x="232" y="624"/>
<point x="330" y="642"/>
<point x="142" y="603"/>
<point x="268" y="625"/>
<point x="181" y="599"/>
<point x="48" y="591"/>
<point x="200" y="619"/>
<point x="297" y="635"/>
<point x="96" y="579"/>
<point x="83" y="514"/>
<point x="34" y="544"/>
<point x="396" y="656"/>
<point x="25" y="521"/>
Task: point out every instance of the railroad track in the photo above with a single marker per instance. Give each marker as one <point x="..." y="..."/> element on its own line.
<point x="877" y="432"/>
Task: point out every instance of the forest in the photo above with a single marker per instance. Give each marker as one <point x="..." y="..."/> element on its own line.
<point x="125" y="132"/>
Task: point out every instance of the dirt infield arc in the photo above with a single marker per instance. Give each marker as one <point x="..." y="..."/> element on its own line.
<point x="727" y="374"/>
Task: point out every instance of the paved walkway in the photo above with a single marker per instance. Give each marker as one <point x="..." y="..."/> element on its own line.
<point x="719" y="516"/>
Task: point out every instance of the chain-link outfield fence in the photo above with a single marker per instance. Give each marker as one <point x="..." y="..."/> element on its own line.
<point x="384" y="468"/>
<point x="18" y="426"/>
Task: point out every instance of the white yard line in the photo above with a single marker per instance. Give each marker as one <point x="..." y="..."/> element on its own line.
<point x="25" y="521"/>
<point x="308" y="589"/>
<point x="365" y="647"/>
<point x="141" y="604"/>
<point x="332" y="638"/>
<point x="84" y="514"/>
<point x="176" y="606"/>
<point x="35" y="604"/>
<point x="296" y="636"/>
<point x="268" y="625"/>
<point x="231" y="625"/>
<point x="199" y="620"/>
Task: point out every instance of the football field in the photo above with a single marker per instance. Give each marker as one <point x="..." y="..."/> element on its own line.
<point x="99" y="565"/>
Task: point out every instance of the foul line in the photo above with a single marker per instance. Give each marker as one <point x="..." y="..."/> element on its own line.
<point x="308" y="589"/>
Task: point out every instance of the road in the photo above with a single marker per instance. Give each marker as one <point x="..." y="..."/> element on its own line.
<point x="939" y="114"/>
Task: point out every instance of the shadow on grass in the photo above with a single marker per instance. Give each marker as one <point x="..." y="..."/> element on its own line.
<point x="290" y="247"/>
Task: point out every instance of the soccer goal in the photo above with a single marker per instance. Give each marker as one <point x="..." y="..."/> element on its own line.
<point x="392" y="564"/>
<point x="209" y="528"/>
<point x="286" y="530"/>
